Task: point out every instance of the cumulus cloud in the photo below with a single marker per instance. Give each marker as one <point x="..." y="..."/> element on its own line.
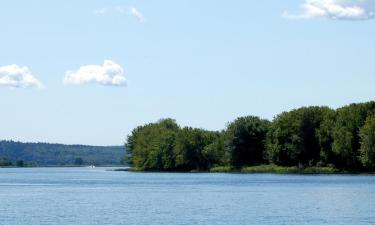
<point x="335" y="10"/>
<point x="137" y="14"/>
<point x="16" y="76"/>
<point x="108" y="74"/>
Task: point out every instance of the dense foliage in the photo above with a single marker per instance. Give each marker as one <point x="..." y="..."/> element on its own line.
<point x="307" y="137"/>
<point x="166" y="146"/>
<point x="43" y="154"/>
<point x="346" y="139"/>
<point x="5" y="162"/>
<point x="293" y="137"/>
<point x="367" y="136"/>
<point x="245" y="141"/>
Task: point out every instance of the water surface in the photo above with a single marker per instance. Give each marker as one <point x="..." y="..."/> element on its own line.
<point x="95" y="196"/>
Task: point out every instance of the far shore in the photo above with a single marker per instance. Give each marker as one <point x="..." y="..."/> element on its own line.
<point x="65" y="166"/>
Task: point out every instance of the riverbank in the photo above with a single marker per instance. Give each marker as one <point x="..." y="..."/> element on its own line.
<point x="271" y="169"/>
<point x="277" y="169"/>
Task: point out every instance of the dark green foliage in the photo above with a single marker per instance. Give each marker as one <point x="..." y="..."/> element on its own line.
<point x="151" y="146"/>
<point x="245" y="141"/>
<point x="325" y="137"/>
<point x="294" y="137"/>
<point x="346" y="141"/>
<point x="165" y="146"/>
<point x="5" y="162"/>
<point x="189" y="149"/>
<point x="309" y="137"/>
<point x="78" y="161"/>
<point x="215" y="153"/>
<point x="367" y="151"/>
<point x="44" y="154"/>
<point x="20" y="163"/>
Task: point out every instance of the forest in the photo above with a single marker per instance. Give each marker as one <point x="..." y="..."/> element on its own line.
<point x="44" y="154"/>
<point x="307" y="137"/>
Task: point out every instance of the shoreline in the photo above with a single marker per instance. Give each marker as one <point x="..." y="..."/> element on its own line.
<point x="63" y="166"/>
<point x="261" y="169"/>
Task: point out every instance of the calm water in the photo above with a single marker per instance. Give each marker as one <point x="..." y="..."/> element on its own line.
<point x="79" y="196"/>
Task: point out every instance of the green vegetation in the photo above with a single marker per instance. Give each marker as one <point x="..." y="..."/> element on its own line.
<point x="20" y="163"/>
<point x="5" y="162"/>
<point x="304" y="140"/>
<point x="293" y="137"/>
<point x="367" y="137"/>
<point x="43" y="154"/>
<point x="245" y="141"/>
<point x="275" y="169"/>
<point x="293" y="169"/>
<point x="345" y="133"/>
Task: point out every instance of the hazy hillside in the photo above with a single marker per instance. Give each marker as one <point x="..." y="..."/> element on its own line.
<point x="59" y="154"/>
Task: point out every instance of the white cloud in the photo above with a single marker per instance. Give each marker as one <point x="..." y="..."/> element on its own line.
<point x="132" y="11"/>
<point x="335" y="10"/>
<point x="137" y="14"/>
<point x="16" y="76"/>
<point x="108" y="74"/>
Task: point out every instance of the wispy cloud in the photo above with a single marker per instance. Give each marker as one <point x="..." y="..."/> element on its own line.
<point x="16" y="76"/>
<point x="131" y="11"/>
<point x="137" y="14"/>
<point x="335" y="10"/>
<point x="108" y="74"/>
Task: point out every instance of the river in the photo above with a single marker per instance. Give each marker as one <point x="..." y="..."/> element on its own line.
<point x="97" y="196"/>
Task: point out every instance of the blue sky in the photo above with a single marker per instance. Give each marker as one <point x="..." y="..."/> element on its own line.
<point x="203" y="63"/>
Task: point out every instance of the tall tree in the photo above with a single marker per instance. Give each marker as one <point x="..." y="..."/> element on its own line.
<point x="325" y="137"/>
<point x="245" y="140"/>
<point x="214" y="153"/>
<point x="293" y="137"/>
<point x="151" y="146"/>
<point x="346" y="140"/>
<point x="367" y="150"/>
<point x="190" y="144"/>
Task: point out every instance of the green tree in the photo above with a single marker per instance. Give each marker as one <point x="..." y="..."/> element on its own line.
<point x="45" y="154"/>
<point x="245" y="140"/>
<point x="20" y="163"/>
<point x="293" y="138"/>
<point x="5" y="162"/>
<point x="346" y="139"/>
<point x="308" y="136"/>
<point x="78" y="161"/>
<point x="325" y="137"/>
<point x="367" y="136"/>
<point x="189" y="149"/>
<point x="215" y="153"/>
<point x="150" y="147"/>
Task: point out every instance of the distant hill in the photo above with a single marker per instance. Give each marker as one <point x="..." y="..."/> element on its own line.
<point x="44" y="154"/>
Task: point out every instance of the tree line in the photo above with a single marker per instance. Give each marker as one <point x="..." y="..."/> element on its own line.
<point x="309" y="136"/>
<point x="45" y="154"/>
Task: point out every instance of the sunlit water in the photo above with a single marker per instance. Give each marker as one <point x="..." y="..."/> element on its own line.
<point x="79" y="196"/>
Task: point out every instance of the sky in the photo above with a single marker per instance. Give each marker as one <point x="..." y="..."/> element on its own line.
<point x="88" y="72"/>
